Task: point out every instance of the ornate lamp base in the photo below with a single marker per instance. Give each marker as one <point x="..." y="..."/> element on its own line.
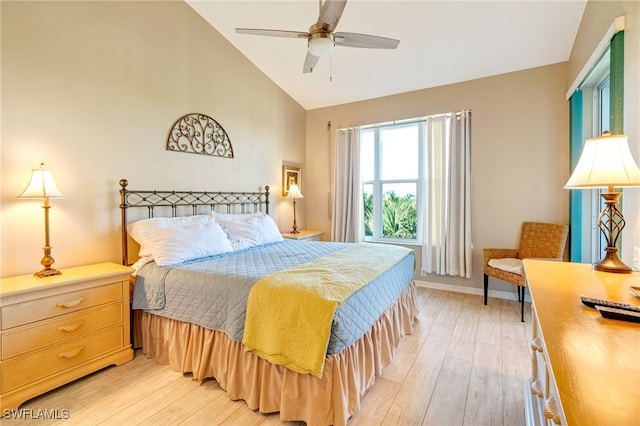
<point x="611" y="222"/>
<point x="47" y="272"/>
<point x="612" y="263"/>
<point x="47" y="260"/>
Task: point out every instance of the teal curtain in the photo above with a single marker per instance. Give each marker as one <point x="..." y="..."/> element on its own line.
<point x="616" y="78"/>
<point x="616" y="104"/>
<point x="575" y="197"/>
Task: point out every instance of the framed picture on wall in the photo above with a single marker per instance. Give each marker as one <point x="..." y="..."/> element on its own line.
<point x="290" y="176"/>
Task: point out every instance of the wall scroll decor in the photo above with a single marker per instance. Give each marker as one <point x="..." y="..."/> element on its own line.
<point x="290" y="176"/>
<point x="199" y="134"/>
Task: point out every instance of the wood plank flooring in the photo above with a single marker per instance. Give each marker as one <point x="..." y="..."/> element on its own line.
<point x="465" y="364"/>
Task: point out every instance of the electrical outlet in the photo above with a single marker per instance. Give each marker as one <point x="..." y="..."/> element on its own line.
<point x="636" y="258"/>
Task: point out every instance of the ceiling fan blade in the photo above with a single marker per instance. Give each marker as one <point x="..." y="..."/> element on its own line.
<point x="273" y="33"/>
<point x="310" y="63"/>
<point x="364" y="40"/>
<point x="330" y="14"/>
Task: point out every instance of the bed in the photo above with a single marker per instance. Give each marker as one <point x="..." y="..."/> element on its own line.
<point x="262" y="315"/>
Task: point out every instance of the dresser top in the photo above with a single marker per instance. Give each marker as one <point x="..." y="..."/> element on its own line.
<point x="595" y="361"/>
<point x="25" y="283"/>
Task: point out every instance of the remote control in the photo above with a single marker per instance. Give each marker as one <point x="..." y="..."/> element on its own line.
<point x="592" y="303"/>
<point x="618" y="314"/>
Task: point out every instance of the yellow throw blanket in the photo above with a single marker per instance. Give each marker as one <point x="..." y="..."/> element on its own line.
<point x="289" y="313"/>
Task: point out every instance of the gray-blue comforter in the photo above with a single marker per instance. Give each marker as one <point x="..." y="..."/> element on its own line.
<point x="213" y="292"/>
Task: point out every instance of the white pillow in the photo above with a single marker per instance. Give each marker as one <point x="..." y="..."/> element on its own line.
<point x="268" y="229"/>
<point x="241" y="234"/>
<point x="507" y="264"/>
<point x="234" y="217"/>
<point x="156" y="223"/>
<point x="249" y="230"/>
<point x="172" y="245"/>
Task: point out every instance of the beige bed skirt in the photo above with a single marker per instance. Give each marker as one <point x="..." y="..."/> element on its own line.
<point x="270" y="388"/>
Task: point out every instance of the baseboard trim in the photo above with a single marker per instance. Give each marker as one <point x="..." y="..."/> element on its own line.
<point x="499" y="294"/>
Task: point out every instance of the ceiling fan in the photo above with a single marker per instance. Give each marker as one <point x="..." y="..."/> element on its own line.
<point x="321" y="39"/>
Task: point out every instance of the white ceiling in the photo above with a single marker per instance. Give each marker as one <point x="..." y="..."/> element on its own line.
<point x="441" y="42"/>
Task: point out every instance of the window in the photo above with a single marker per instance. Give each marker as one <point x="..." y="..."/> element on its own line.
<point x="412" y="183"/>
<point x="595" y="119"/>
<point x="391" y="170"/>
<point x="596" y="105"/>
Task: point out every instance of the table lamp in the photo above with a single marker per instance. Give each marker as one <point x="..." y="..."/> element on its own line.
<point x="606" y="162"/>
<point x="294" y="192"/>
<point x="42" y="186"/>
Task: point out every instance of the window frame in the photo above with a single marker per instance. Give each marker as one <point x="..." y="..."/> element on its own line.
<point x="595" y="120"/>
<point x="377" y="182"/>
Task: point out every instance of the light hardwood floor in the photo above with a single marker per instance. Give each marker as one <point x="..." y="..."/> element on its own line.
<point x="464" y="364"/>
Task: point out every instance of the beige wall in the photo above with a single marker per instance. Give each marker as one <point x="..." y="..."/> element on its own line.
<point x="92" y="88"/>
<point x="597" y="18"/>
<point x="519" y="153"/>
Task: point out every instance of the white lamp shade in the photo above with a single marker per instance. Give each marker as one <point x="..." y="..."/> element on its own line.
<point x="294" y="192"/>
<point x="41" y="185"/>
<point x="606" y="161"/>
<point x="321" y="44"/>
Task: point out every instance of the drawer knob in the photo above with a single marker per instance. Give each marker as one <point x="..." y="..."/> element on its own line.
<point x="536" y="345"/>
<point x="536" y="389"/>
<point x="71" y="327"/>
<point x="551" y="410"/>
<point x="73" y="352"/>
<point x="70" y="304"/>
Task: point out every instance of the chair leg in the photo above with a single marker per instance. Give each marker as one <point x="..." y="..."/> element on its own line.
<point x="486" y="287"/>
<point x="519" y="293"/>
<point x="522" y="305"/>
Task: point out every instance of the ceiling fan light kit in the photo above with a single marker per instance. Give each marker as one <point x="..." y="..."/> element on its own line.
<point x="321" y="44"/>
<point x="321" y="39"/>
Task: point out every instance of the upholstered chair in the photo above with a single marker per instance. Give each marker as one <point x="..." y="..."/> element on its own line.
<point x="537" y="241"/>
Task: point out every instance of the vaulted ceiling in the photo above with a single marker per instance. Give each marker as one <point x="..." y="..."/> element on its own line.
<point x="441" y="42"/>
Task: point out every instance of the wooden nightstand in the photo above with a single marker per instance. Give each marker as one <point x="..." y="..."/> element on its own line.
<point x="304" y="235"/>
<point x="57" y="329"/>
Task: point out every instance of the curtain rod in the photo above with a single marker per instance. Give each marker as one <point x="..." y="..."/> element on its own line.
<point x="616" y="26"/>
<point x="405" y="121"/>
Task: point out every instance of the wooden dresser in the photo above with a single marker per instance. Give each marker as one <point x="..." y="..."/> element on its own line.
<point x="60" y="328"/>
<point x="585" y="368"/>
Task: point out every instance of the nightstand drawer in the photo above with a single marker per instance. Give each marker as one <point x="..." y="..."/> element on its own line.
<point x="58" y="330"/>
<point x="24" y="370"/>
<point x="49" y="307"/>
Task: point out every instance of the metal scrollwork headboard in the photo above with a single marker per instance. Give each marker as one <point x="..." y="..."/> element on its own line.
<point x="199" y="134"/>
<point x="184" y="203"/>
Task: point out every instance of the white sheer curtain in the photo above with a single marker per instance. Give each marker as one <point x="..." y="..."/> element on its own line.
<point x="347" y="223"/>
<point x="446" y="239"/>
